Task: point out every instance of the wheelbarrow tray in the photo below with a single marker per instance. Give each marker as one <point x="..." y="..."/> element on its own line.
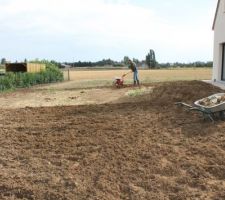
<point x="215" y="108"/>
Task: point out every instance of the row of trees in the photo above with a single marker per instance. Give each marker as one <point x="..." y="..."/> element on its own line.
<point x="100" y="63"/>
<point x="150" y="62"/>
<point x="185" y="65"/>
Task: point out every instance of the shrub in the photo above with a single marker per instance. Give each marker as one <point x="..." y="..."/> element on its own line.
<point x="22" y="80"/>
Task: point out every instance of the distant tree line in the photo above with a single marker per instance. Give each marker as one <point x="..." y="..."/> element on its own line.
<point x="149" y="62"/>
<point x="101" y="63"/>
<point x="44" y="61"/>
<point x="140" y="63"/>
<point x="185" y="65"/>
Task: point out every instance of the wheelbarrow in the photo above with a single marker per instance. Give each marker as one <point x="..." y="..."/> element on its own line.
<point x="213" y="109"/>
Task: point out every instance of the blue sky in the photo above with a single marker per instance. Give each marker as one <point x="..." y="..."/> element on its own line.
<point x="90" y="30"/>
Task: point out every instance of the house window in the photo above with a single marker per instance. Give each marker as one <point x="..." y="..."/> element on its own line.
<point x="223" y="61"/>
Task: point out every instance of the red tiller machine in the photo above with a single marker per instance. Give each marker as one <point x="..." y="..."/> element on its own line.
<point x="119" y="81"/>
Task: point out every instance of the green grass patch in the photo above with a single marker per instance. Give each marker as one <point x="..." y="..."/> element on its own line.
<point x="138" y="92"/>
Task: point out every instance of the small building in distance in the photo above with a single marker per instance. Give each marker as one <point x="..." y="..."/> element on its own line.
<point x="25" y="67"/>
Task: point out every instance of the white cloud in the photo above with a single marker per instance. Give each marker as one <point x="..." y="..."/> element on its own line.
<point x="98" y="23"/>
<point x="74" y="16"/>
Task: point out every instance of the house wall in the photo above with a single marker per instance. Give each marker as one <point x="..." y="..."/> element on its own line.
<point x="219" y="39"/>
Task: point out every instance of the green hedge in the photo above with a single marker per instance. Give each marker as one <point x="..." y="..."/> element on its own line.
<point x="21" y="80"/>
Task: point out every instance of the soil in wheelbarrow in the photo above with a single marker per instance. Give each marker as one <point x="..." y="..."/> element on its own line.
<point x="139" y="148"/>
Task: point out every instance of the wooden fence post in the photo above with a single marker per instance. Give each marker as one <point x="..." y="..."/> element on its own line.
<point x="68" y="74"/>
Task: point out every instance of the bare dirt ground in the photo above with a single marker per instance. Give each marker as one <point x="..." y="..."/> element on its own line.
<point x="61" y="95"/>
<point x="138" y="148"/>
<point x="93" y="87"/>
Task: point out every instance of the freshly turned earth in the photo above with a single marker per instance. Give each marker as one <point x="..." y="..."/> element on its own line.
<point x="142" y="147"/>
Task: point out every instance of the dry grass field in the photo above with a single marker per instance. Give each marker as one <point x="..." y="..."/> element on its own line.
<point x="145" y="75"/>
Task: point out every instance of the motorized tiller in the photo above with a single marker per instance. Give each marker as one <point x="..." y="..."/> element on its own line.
<point x="118" y="82"/>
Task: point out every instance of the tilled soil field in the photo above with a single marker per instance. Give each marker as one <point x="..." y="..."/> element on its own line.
<point x="144" y="148"/>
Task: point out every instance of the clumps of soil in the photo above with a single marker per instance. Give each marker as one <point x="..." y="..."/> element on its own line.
<point x="183" y="91"/>
<point x="166" y="94"/>
<point x="73" y="98"/>
<point x="131" y="150"/>
<point x="212" y="100"/>
<point x="49" y="99"/>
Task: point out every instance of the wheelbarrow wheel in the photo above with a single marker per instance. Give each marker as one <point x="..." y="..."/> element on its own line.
<point x="222" y="115"/>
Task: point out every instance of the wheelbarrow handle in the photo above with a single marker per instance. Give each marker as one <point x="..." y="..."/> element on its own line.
<point x="205" y="113"/>
<point x="183" y="104"/>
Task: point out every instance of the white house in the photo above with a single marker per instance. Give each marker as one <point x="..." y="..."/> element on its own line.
<point x="219" y="43"/>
